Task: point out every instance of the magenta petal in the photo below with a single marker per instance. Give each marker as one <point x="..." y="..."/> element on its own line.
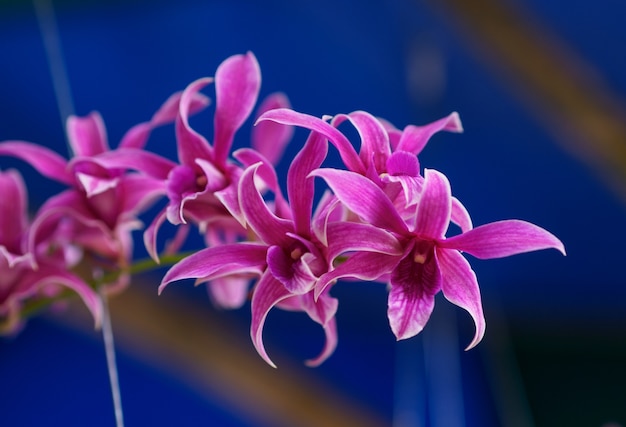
<point x="13" y="211"/>
<point x="301" y="187"/>
<point x="150" y="235"/>
<point x="267" y="293"/>
<point x="191" y="145"/>
<point x="403" y="163"/>
<point x="237" y="84"/>
<point x="351" y="236"/>
<point x="330" y="344"/>
<point x="87" y="135"/>
<point x="270" y="138"/>
<point x="218" y="261"/>
<point x="51" y="275"/>
<point x="137" y="136"/>
<point x="363" y="197"/>
<point x="375" y="147"/>
<point x="229" y="292"/>
<point x="271" y="229"/>
<point x="415" y="138"/>
<point x="408" y="312"/>
<point x="503" y="238"/>
<point x="346" y="150"/>
<point x="129" y="158"/>
<point x="435" y="206"/>
<point x="460" y="287"/>
<point x="45" y="161"/>
<point x="295" y="275"/>
<point x="361" y="265"/>
<point x="460" y="216"/>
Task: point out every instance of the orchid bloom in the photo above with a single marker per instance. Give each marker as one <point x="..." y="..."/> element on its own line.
<point x="20" y="281"/>
<point x="103" y="199"/>
<point x="292" y="250"/>
<point x="429" y="261"/>
<point x="387" y="155"/>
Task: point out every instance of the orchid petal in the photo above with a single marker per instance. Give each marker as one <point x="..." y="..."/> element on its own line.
<point x="415" y="138"/>
<point x="330" y="344"/>
<point x="351" y="236"/>
<point x="460" y="287"/>
<point x="191" y="145"/>
<point x="129" y="158"/>
<point x="269" y="138"/>
<point x="267" y="293"/>
<point x="137" y="136"/>
<point x="346" y="150"/>
<point x="87" y="135"/>
<point x="218" y="261"/>
<point x="95" y="185"/>
<point x="460" y="216"/>
<point x="301" y="187"/>
<point x="45" y="161"/>
<point x="435" y="206"/>
<point x="503" y="238"/>
<point x="150" y="235"/>
<point x="374" y="138"/>
<point x="229" y="292"/>
<point x="237" y="84"/>
<point x="139" y="193"/>
<point x="13" y="211"/>
<point x="271" y="229"/>
<point x="360" y="265"/>
<point x="295" y="275"/>
<point x="363" y="197"/>
<point x="403" y="163"/>
<point x="412" y="295"/>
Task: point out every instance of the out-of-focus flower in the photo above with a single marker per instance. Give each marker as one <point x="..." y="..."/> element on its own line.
<point x="30" y="276"/>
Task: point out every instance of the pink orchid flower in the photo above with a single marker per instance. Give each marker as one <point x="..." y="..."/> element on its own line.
<point x="387" y="155"/>
<point x="292" y="251"/>
<point x="20" y="279"/>
<point x="429" y="261"/>
<point x="103" y="200"/>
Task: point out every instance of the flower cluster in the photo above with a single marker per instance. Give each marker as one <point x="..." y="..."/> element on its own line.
<point x="380" y="218"/>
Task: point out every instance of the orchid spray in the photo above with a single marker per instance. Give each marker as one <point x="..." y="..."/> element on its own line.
<point x="381" y="217"/>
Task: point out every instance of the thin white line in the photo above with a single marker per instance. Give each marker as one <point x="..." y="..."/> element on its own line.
<point x="52" y="46"/>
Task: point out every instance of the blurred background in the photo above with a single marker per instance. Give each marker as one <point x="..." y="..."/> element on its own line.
<point x="541" y="90"/>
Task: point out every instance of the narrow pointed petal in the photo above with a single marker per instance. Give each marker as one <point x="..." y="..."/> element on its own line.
<point x="13" y="211"/>
<point x="271" y="229"/>
<point x="191" y="145"/>
<point x="351" y="236"/>
<point x="87" y="135"/>
<point x="51" y="275"/>
<point x="45" y="161"/>
<point x="267" y="293"/>
<point x="435" y="206"/>
<point x="415" y="138"/>
<point x="346" y="150"/>
<point x="237" y="84"/>
<point x="129" y="158"/>
<point x="375" y="147"/>
<point x="139" y="193"/>
<point x="363" y="197"/>
<point x="137" y="136"/>
<point x="460" y="216"/>
<point x="460" y="287"/>
<point x="366" y="266"/>
<point x="270" y="138"/>
<point x="218" y="261"/>
<point x="150" y="235"/>
<point x="300" y="186"/>
<point x="503" y="238"/>
<point x="330" y="344"/>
